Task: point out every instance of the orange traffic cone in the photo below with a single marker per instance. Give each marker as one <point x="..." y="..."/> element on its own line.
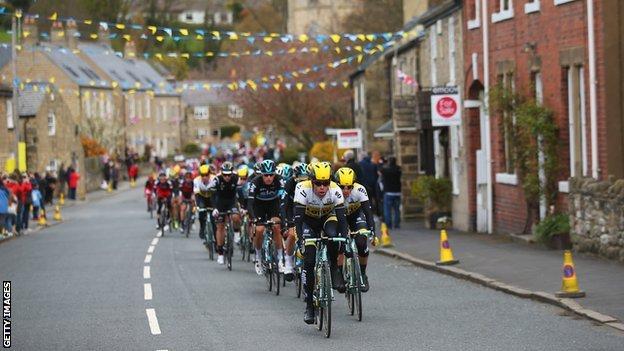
<point x="57" y="213"/>
<point x="386" y="241"/>
<point x="446" y="254"/>
<point x="62" y="199"/>
<point x="569" y="284"/>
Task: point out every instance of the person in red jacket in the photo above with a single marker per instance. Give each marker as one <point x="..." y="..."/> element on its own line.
<point x="133" y="172"/>
<point x="72" y="182"/>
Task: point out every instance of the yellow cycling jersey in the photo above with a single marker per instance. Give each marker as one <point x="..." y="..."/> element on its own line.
<point x="355" y="199"/>
<point x="201" y="188"/>
<point x="315" y="206"/>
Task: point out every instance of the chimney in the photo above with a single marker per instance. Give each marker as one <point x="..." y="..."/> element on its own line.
<point x="30" y="34"/>
<point x="57" y="34"/>
<point x="130" y="51"/>
<point x="104" y="36"/>
<point x="72" y="34"/>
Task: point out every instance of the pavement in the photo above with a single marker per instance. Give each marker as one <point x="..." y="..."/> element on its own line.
<point x="527" y="266"/>
<point x="103" y="280"/>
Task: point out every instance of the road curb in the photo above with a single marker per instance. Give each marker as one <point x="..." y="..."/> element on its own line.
<point x="477" y="278"/>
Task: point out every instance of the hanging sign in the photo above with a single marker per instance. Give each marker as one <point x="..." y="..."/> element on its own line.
<point x="445" y="106"/>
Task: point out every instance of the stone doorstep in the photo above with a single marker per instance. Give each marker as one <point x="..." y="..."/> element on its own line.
<point x="541" y="296"/>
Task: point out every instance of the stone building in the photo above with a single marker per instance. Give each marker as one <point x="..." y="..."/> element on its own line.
<point x="319" y="16"/>
<point x="149" y="105"/>
<point x="206" y="112"/>
<point x="7" y="149"/>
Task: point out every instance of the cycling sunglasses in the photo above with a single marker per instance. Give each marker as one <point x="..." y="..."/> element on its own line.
<point x="321" y="182"/>
<point x="348" y="187"/>
<point x="268" y="175"/>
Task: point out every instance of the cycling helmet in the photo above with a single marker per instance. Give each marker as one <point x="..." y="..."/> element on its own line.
<point x="243" y="171"/>
<point x="176" y="169"/>
<point x="321" y="171"/>
<point x="345" y="176"/>
<point x="227" y="168"/>
<point x="162" y="174"/>
<point x="287" y="172"/>
<point x="267" y="167"/>
<point x="204" y="170"/>
<point x="301" y="170"/>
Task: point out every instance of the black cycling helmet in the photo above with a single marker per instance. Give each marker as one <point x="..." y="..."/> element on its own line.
<point x="267" y="167"/>
<point x="301" y="170"/>
<point x="227" y="168"/>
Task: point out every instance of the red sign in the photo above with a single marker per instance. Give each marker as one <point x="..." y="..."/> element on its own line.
<point x="446" y="107"/>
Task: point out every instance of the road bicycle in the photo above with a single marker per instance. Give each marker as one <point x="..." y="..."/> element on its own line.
<point x="209" y="240"/>
<point x="322" y="295"/>
<point x="298" y="269"/>
<point x="268" y="258"/>
<point x="353" y="274"/>
<point x="164" y="220"/>
<point x="245" y="241"/>
<point x="189" y="217"/>
<point x="151" y="202"/>
<point x="228" y="245"/>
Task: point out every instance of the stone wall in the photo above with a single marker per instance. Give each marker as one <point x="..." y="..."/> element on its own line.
<point x="597" y="216"/>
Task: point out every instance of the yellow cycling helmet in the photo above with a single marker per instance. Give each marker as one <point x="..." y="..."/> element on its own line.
<point x="321" y="171"/>
<point x="345" y="176"/>
<point x="243" y="172"/>
<point x="175" y="170"/>
<point x="204" y="170"/>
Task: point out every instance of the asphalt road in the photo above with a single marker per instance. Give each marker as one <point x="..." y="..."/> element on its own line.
<point x="81" y="285"/>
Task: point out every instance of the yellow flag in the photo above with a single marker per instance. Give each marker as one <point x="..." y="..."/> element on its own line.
<point x="186" y="55"/>
<point x="199" y="37"/>
<point x="184" y="31"/>
<point x="268" y="39"/>
<point x="265" y="79"/>
<point x="216" y="34"/>
<point x="153" y="29"/>
<point x="295" y="74"/>
<point x="158" y="56"/>
<point x="276" y="86"/>
<point x="127" y="37"/>
<point x="337" y="49"/>
<point x="361" y="37"/>
<point x="93" y="36"/>
<point x="54" y="17"/>
<point x="88" y="21"/>
<point x="292" y="50"/>
<point x="359" y="58"/>
<point x="252" y="84"/>
<point x="137" y="85"/>
<point x="209" y="54"/>
<point x="60" y="34"/>
<point x="303" y="38"/>
<point x="115" y="84"/>
<point x="370" y="37"/>
<point x="160" y="38"/>
<point x="52" y="80"/>
<point x="299" y="86"/>
<point x="120" y="26"/>
<point x="269" y="53"/>
<point x="233" y="36"/>
<point x="207" y="86"/>
<point x="314" y="49"/>
<point x="26" y="33"/>
<point x="231" y="86"/>
<point x="335" y="38"/>
<point x="345" y="84"/>
<point x="322" y="85"/>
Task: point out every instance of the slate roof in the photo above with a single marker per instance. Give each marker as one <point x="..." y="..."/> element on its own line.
<point x="76" y="68"/>
<point x="5" y="55"/>
<point x="201" y="96"/>
<point x="127" y="72"/>
<point x="30" y="101"/>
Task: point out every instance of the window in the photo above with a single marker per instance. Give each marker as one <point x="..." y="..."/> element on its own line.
<point x="577" y="120"/>
<point x="131" y="107"/>
<point x="51" y="123"/>
<point x="201" y="133"/>
<point x="235" y="111"/>
<point x="9" y="114"/>
<point x="148" y="107"/>
<point x="362" y="96"/>
<point x="433" y="46"/>
<point x="505" y="11"/>
<point x="217" y="18"/>
<point x="189" y="16"/>
<point x="507" y="164"/>
<point x="109" y="106"/>
<point x="532" y="6"/>
<point x="102" y="104"/>
<point x="139" y="107"/>
<point x="201" y="112"/>
<point x="87" y="104"/>
<point x="163" y="107"/>
<point x="474" y="13"/>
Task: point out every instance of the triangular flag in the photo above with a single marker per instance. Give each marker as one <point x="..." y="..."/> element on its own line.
<point x="153" y="29"/>
<point x="361" y="37"/>
<point x="345" y="84"/>
<point x="120" y="26"/>
<point x="268" y="39"/>
<point x="184" y="31"/>
<point x="276" y="86"/>
<point x="335" y="38"/>
<point x="54" y="17"/>
<point x="303" y="38"/>
<point x="299" y="86"/>
<point x="233" y="36"/>
<point x="322" y="85"/>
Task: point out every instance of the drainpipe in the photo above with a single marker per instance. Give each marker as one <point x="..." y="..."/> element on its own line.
<point x="593" y="104"/>
<point x="487" y="137"/>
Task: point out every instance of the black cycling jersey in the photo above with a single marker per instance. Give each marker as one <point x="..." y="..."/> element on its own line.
<point x="225" y="191"/>
<point x="265" y="195"/>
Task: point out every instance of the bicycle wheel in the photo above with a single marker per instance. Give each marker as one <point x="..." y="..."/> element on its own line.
<point x="210" y="244"/>
<point x="328" y="300"/>
<point x="357" y="293"/>
<point x="298" y="283"/>
<point x="150" y="206"/>
<point x="276" y="274"/>
<point x="229" y="247"/>
<point x="348" y="271"/>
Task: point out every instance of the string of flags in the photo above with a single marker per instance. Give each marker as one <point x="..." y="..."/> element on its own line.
<point x="407" y="79"/>
<point x="161" y="32"/>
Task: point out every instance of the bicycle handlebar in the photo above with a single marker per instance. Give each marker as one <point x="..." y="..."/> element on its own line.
<point x="324" y="239"/>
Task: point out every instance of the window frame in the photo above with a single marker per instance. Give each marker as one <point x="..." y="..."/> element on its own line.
<point x="51" y="123"/>
<point x="503" y="14"/>
<point x="475" y="22"/>
<point x="532" y="6"/>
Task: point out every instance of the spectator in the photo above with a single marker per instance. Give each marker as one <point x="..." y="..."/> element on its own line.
<point x="133" y="172"/>
<point x="349" y="159"/>
<point x="48" y="192"/>
<point x="62" y="179"/>
<point x="5" y="196"/>
<point x="37" y="201"/>
<point x="391" y="181"/>
<point x="108" y="173"/>
<point x="114" y="173"/>
<point x="72" y="182"/>
<point x="369" y="180"/>
<point x="12" y="185"/>
<point x="24" y="202"/>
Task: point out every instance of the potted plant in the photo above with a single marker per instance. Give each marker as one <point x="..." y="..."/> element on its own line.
<point x="436" y="196"/>
<point x="554" y="232"/>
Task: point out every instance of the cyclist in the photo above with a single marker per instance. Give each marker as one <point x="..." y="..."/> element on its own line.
<point x="186" y="190"/>
<point x="299" y="174"/>
<point x="224" y="187"/>
<point x="174" y="178"/>
<point x="319" y="207"/>
<point x="149" y="190"/>
<point x="163" y="191"/>
<point x="263" y="204"/>
<point x="203" y="198"/>
<point x="359" y="216"/>
<point x="242" y="190"/>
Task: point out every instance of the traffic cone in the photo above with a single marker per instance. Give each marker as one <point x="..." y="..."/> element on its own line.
<point x="132" y="183"/>
<point x="446" y="254"/>
<point x="386" y="241"/>
<point x="62" y="199"/>
<point x="110" y="188"/>
<point x="569" y="284"/>
<point x="57" y="213"/>
<point x="42" y="218"/>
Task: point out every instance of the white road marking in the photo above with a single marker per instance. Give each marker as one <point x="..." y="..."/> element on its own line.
<point x="146" y="272"/>
<point x="153" y="321"/>
<point x="159" y="234"/>
<point x="155" y="241"/>
<point x="148" y="258"/>
<point x="147" y="288"/>
<point x="151" y="249"/>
